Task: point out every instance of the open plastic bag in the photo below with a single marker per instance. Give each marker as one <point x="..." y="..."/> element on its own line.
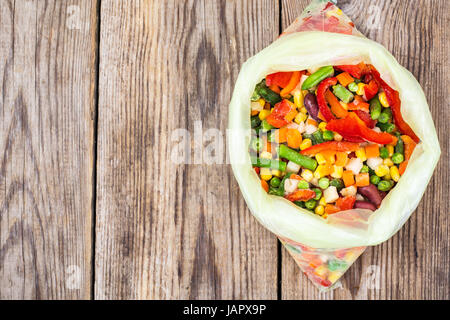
<point x="325" y="248"/>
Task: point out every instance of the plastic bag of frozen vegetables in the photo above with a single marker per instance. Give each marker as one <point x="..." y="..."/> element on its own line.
<point x="331" y="141"/>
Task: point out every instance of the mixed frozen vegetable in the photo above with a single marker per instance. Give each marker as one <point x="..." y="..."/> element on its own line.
<point x="331" y="139"/>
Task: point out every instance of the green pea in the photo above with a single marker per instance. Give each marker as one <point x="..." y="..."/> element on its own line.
<point x="397" y="158"/>
<point x="384" y="153"/>
<point x="275" y="182"/>
<point x="310" y="204"/>
<point x="328" y="135"/>
<point x="384" y="185"/>
<point x="318" y="193"/>
<point x="303" y="184"/>
<point x="338" y="183"/>
<point x="364" y="169"/>
<point x="324" y="183"/>
<point x="375" y="179"/>
<point x="334" y="265"/>
<point x="353" y="87"/>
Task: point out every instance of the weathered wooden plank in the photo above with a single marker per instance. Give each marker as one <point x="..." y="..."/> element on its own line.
<point x="414" y="263"/>
<point x="166" y="230"/>
<point x="47" y="77"/>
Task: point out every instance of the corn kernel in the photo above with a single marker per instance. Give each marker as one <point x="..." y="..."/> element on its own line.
<point x="361" y="154"/>
<point x="390" y="148"/>
<point x="319" y="210"/>
<point x="388" y="162"/>
<point x="307" y="175"/>
<point x="304" y="110"/>
<point x="339" y="12"/>
<point x="306" y="143"/>
<point x="337" y="137"/>
<point x="382" y="170"/>
<point x="262" y="102"/>
<point x="298" y="99"/>
<point x="337" y="171"/>
<point x="322" y="201"/>
<point x="265" y="174"/>
<point x="360" y="90"/>
<point x="276" y="173"/>
<point x="334" y="276"/>
<point x="322" y="171"/>
<point x="387" y="176"/>
<point x="383" y="99"/>
<point x="266" y="155"/>
<point x="322" y="125"/>
<point x="263" y="114"/>
<point x="321" y="271"/>
<point x="320" y="159"/>
<point x="395" y="175"/>
<point x="300" y="117"/>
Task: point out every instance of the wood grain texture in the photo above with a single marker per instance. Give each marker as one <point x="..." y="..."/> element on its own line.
<point x="47" y="82"/>
<point x="165" y="230"/>
<point x="414" y="263"/>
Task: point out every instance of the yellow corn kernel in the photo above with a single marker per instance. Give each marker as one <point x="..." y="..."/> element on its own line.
<point x="390" y="148"/>
<point x="306" y="143"/>
<point x="337" y="137"/>
<point x="263" y="114"/>
<point x="265" y="174"/>
<point x="388" y="162"/>
<point x="320" y="159"/>
<point x="322" y="125"/>
<point x="360" y="90"/>
<point x="322" y="170"/>
<point x="387" y="176"/>
<point x="382" y="170"/>
<point x="307" y="175"/>
<point x="304" y="110"/>
<point x="266" y="155"/>
<point x="361" y="154"/>
<point x="300" y="117"/>
<point x="298" y="99"/>
<point x="383" y="99"/>
<point x="395" y="175"/>
<point x="334" y="276"/>
<point x="319" y="210"/>
<point x="262" y="102"/>
<point x="337" y="171"/>
<point x="276" y="173"/>
<point x="339" y="12"/>
<point x="330" y="158"/>
<point x="322" y="201"/>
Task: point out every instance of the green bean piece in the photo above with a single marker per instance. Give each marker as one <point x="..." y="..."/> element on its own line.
<point x="275" y="182"/>
<point x="384" y="153"/>
<point x="386" y="127"/>
<point x="310" y="204"/>
<point x="384" y="185"/>
<point x="328" y="135"/>
<point x="256" y="144"/>
<point x="397" y="158"/>
<point x="338" y="183"/>
<point x="342" y="93"/>
<point x="276" y="191"/>
<point x="385" y="116"/>
<point x="255" y="121"/>
<point x="353" y="87"/>
<point x="268" y="163"/>
<point x="318" y="193"/>
<point x="374" y="179"/>
<point x="270" y="96"/>
<point x="294" y="156"/>
<point x="314" y="79"/>
<point x="399" y="147"/>
<point x="318" y="138"/>
<point x="375" y="108"/>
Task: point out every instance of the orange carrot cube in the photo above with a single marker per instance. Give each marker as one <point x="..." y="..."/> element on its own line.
<point x="362" y="179"/>
<point x="348" y="178"/>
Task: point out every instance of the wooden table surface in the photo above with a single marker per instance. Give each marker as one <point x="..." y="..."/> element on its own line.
<point x="91" y="205"/>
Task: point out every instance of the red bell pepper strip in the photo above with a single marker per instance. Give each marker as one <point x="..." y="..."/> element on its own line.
<point x="336" y="107"/>
<point x="346" y="203"/>
<point x="356" y="71"/>
<point x="278" y="116"/>
<point x="365" y="116"/>
<point x="341" y="146"/>
<point x="280" y="79"/>
<point x="323" y="107"/>
<point x="301" y="195"/>
<point x="370" y="90"/>
<point x="395" y="104"/>
<point x="352" y="125"/>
